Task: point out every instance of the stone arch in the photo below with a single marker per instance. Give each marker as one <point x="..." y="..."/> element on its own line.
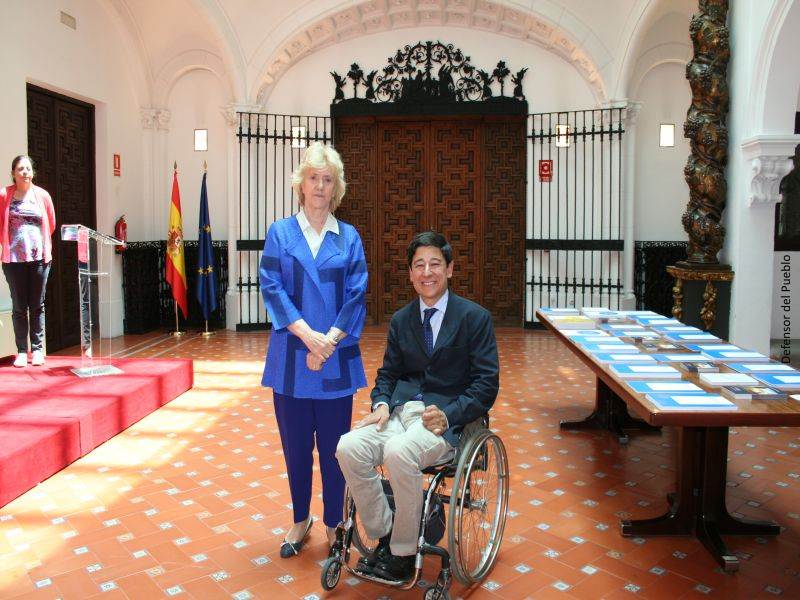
<point x="182" y="64"/>
<point x="375" y="17"/>
<point x="775" y="77"/>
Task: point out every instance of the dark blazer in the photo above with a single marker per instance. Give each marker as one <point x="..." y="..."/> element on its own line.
<point x="461" y="377"/>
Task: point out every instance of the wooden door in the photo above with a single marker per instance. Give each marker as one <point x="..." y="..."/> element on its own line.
<point x="61" y="144"/>
<point x="433" y="173"/>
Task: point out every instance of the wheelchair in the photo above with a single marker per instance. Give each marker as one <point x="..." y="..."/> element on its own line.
<point x="476" y="518"/>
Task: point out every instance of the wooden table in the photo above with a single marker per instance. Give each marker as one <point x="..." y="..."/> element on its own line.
<point x="698" y="506"/>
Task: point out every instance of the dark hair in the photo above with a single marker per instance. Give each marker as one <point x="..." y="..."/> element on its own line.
<point x="15" y="162"/>
<point x="430" y="238"/>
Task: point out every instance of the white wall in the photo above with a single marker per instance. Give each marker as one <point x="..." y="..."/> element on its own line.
<point x="786" y="297"/>
<point x="764" y="84"/>
<point x="90" y="64"/>
<point x="661" y="190"/>
<point x="195" y="102"/>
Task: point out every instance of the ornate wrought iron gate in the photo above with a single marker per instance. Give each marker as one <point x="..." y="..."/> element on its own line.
<point x="574" y="224"/>
<point x="270" y="146"/>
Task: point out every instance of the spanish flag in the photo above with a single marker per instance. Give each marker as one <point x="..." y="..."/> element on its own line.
<point x="176" y="266"/>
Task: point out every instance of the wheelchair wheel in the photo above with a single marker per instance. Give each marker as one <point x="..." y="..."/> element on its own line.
<point x="436" y="593"/>
<point x="478" y="507"/>
<point x="363" y="543"/>
<point x="331" y="571"/>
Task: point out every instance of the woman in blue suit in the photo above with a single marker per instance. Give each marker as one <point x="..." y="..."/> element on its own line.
<point x="313" y="278"/>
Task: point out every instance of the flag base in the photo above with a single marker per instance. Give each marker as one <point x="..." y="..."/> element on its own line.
<point x="178" y="333"/>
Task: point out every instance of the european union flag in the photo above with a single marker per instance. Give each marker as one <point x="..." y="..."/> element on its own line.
<point x="206" y="277"/>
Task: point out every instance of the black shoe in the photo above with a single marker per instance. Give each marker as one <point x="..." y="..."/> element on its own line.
<point x="289" y="549"/>
<point x="367" y="563"/>
<point x="395" y="568"/>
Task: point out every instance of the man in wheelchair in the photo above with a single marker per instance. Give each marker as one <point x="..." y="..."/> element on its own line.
<point x="440" y="372"/>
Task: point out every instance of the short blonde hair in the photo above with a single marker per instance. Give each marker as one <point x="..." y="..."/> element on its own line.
<point x="320" y="156"/>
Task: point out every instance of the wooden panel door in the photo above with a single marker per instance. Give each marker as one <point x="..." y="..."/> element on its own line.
<point x="463" y="177"/>
<point x="61" y="143"/>
<point x="455" y="202"/>
<point x="402" y="212"/>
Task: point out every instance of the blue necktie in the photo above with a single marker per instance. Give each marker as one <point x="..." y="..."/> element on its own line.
<point x="427" y="330"/>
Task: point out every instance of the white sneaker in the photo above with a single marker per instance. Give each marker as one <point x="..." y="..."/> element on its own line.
<point x="21" y="360"/>
<point x="37" y="359"/>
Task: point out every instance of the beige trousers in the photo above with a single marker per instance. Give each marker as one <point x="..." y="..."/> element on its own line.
<point x="405" y="447"/>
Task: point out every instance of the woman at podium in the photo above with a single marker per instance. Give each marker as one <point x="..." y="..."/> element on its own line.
<point x="27" y="221"/>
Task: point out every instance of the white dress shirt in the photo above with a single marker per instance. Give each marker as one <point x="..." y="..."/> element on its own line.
<point x="438" y="316"/>
<point x="313" y="238"/>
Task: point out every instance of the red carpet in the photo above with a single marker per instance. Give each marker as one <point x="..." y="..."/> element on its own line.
<point x="49" y="417"/>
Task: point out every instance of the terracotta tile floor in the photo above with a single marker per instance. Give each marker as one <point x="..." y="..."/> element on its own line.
<point x="192" y="501"/>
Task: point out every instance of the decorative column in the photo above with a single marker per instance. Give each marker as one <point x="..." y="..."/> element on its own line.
<point x="232" y="298"/>
<point x="707" y="131"/>
<point x="702" y="284"/>
<point x="163" y="173"/>
<point x="149" y="117"/>
<point x="632" y="111"/>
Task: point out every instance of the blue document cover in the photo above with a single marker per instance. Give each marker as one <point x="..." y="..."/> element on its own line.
<point x="764" y="367"/>
<point x="735" y="356"/>
<point x="605" y="348"/>
<point x="691" y="402"/>
<point x="780" y="381"/>
<point x="625" y="357"/>
<point x="595" y="339"/>
<point x="666" y="387"/>
<point x="678" y="357"/>
<point x="673" y="329"/>
<point x="715" y="346"/>
<point x="559" y="311"/>
<point x="645" y="371"/>
<point x="699" y="336"/>
<point x="658" y="321"/>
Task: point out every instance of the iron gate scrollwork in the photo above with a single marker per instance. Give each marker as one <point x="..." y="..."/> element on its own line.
<point x="574" y="228"/>
<point x="270" y="147"/>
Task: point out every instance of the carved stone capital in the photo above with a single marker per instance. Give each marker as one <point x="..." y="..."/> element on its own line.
<point x="768" y="157"/>
<point x="148" y="116"/>
<point x="163" y="117"/>
<point x="229" y="112"/>
<point x="632" y="111"/>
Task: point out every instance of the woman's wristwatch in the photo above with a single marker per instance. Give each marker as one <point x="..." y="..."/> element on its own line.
<point x="335" y="337"/>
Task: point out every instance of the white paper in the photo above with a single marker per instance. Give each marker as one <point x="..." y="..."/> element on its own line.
<point x="673" y="387"/>
<point x="788" y="378"/>
<point x="638" y="369"/>
<point x="741" y="355"/>
<point x="718" y="347"/>
<point x="641" y="357"/>
<point x="702" y="400"/>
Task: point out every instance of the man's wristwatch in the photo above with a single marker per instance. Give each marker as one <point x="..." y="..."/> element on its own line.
<point x="335" y="337"/>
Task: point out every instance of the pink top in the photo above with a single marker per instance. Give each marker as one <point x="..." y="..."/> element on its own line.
<point x="48" y="220"/>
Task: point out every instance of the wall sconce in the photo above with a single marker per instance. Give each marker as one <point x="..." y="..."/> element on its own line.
<point x="666" y="135"/>
<point x="201" y="140"/>
<point x="562" y="136"/>
<point x="298" y="136"/>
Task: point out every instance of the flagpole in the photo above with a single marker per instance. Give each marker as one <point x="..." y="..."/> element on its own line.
<point x="177" y="332"/>
<point x="205" y="333"/>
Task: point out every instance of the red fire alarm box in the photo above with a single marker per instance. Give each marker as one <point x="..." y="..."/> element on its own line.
<point x="546" y="170"/>
<point x="117" y="165"/>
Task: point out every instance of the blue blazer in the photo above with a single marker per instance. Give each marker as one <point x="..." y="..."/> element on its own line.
<point x="327" y="292"/>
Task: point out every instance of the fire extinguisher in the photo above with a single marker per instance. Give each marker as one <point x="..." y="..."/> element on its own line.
<point x="121" y="233"/>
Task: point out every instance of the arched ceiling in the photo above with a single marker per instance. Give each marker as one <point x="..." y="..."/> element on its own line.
<point x="256" y="41"/>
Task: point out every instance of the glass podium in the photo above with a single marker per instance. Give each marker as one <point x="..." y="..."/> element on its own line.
<point x="95" y="262"/>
